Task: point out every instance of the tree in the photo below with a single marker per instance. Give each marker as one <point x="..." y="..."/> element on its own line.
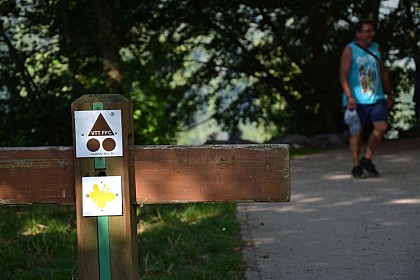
<point x="268" y="62"/>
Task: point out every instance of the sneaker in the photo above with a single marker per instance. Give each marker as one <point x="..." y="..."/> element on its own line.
<point x="357" y="172"/>
<point x="368" y="166"/>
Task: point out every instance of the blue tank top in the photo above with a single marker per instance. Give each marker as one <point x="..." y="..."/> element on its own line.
<point x="365" y="75"/>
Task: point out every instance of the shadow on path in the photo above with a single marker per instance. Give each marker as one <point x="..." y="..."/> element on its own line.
<point x="337" y="227"/>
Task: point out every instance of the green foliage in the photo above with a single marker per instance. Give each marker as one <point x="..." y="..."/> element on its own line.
<point x="273" y="63"/>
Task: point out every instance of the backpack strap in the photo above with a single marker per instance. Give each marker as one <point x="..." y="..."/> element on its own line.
<point x="369" y="52"/>
<point x="372" y="54"/>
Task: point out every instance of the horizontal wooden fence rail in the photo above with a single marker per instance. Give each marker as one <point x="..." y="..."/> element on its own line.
<point x="174" y="174"/>
<point x="37" y="175"/>
<point x="163" y="174"/>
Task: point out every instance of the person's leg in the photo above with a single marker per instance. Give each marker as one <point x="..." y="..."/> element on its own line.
<point x="378" y="117"/>
<point x="379" y="129"/>
<point x="355" y="144"/>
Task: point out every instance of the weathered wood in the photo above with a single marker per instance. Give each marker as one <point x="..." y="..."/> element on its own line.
<point x="237" y="173"/>
<point x="122" y="229"/>
<point x="36" y="175"/>
<point x="164" y="174"/>
<point x="149" y="174"/>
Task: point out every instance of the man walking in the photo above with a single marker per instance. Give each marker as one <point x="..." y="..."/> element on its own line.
<point x="367" y="89"/>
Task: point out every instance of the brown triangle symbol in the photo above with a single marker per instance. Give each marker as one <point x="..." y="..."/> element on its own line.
<point x="101" y="127"/>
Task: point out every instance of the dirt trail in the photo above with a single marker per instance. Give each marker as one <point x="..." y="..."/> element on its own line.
<point x="338" y="227"/>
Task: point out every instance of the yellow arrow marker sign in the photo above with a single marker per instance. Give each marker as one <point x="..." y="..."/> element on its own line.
<point x="102" y="196"/>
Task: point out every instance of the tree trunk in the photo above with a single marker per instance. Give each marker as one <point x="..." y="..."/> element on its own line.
<point x="317" y="37"/>
<point x="372" y="10"/>
<point x="108" y="41"/>
<point x="413" y="34"/>
<point x="66" y="25"/>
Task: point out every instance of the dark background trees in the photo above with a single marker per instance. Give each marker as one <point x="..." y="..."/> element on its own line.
<point x="267" y="62"/>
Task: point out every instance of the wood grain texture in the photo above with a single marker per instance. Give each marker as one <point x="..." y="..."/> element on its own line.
<point x="36" y="175"/>
<point x="149" y="174"/>
<point x="163" y="174"/>
<point x="122" y="229"/>
<point x="237" y="173"/>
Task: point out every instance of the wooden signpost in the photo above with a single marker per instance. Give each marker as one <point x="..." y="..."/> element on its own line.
<point x="106" y="176"/>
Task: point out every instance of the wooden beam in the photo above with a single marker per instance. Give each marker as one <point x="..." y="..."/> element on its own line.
<point x="237" y="173"/>
<point x="163" y="174"/>
<point x="36" y="175"/>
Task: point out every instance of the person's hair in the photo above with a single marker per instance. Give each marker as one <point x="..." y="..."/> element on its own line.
<point x="359" y="25"/>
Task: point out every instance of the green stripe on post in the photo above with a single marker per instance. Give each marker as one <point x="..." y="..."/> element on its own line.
<point x="103" y="247"/>
<point x="103" y="223"/>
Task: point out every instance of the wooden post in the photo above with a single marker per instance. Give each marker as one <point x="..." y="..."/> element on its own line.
<point x="122" y="229"/>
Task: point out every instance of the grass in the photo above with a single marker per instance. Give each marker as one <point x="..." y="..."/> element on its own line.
<point x="186" y="241"/>
<point x="35" y="242"/>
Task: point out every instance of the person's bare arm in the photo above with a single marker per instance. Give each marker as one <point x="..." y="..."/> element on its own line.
<point x="345" y="64"/>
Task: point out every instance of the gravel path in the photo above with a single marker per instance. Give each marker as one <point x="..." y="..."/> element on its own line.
<point x="338" y="227"/>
